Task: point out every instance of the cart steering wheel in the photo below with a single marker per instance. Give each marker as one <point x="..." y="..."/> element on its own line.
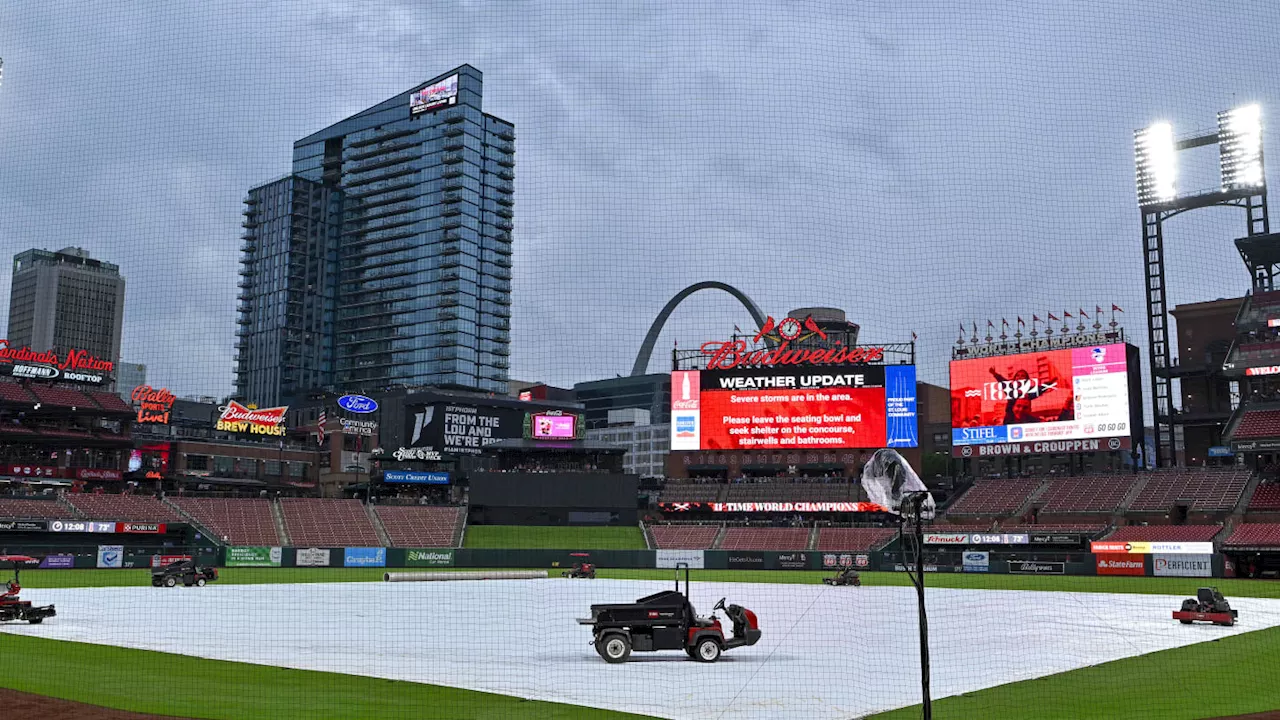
<point x="719" y="606"/>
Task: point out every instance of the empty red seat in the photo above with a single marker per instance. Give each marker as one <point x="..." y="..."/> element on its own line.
<point x="1266" y="497"/>
<point x="994" y="497"/>
<point x="765" y="539"/>
<point x="328" y="523"/>
<point x="1206" y="490"/>
<point x="421" y="526"/>
<point x="246" y="521"/>
<point x="138" y="508"/>
<point x="1255" y="535"/>
<point x="18" y="509"/>
<point x="683" y="537"/>
<point x="1086" y="493"/>
<point x="1258" y="424"/>
<point x="838" y="539"/>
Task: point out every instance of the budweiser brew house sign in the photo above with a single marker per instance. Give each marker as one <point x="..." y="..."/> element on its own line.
<point x="788" y="340"/>
<point x="237" y="418"/>
<point x="75" y="366"/>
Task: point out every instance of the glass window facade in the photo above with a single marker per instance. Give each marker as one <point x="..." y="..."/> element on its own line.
<point x="417" y="216"/>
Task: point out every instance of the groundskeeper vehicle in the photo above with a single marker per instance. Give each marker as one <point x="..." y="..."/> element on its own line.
<point x="11" y="606"/>
<point x="1207" y="606"/>
<point x="667" y="621"/>
<point x="183" y="571"/>
<point x="581" y="570"/>
<point x="847" y="576"/>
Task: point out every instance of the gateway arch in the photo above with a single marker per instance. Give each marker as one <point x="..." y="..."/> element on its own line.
<point x="651" y="338"/>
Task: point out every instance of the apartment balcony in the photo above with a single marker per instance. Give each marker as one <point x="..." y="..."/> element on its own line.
<point x="454" y="118"/>
<point x="507" y="134"/>
<point x="452" y="158"/>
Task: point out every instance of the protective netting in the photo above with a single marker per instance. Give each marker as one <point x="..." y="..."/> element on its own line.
<point x="324" y="200"/>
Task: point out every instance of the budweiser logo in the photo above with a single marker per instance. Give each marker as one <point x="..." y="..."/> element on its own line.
<point x="730" y="355"/>
<point x="238" y="418"/>
<point x="75" y="359"/>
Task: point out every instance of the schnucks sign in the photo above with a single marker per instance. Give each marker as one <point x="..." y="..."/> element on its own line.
<point x="785" y="335"/>
<point x="76" y="366"/>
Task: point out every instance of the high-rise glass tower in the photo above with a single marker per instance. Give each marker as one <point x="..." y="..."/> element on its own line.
<point x="421" y="277"/>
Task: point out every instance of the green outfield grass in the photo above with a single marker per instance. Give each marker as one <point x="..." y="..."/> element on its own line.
<point x="1226" y="677"/>
<point x="532" y="537"/>
<point x="35" y="579"/>
<point x="166" y="684"/>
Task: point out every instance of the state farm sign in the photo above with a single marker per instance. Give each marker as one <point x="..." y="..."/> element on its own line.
<point x="1109" y="564"/>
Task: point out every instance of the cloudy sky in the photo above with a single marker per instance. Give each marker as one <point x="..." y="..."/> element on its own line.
<point x="918" y="164"/>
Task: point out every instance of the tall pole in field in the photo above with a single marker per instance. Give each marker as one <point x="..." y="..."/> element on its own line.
<point x="912" y="504"/>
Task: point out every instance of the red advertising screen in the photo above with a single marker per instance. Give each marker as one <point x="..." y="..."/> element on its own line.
<point x="800" y="408"/>
<point x="1068" y="394"/>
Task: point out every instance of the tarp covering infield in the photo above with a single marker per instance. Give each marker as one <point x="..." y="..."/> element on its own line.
<point x="826" y="653"/>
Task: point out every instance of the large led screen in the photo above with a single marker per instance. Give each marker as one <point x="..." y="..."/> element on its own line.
<point x="1069" y="394"/>
<point x="802" y="408"/>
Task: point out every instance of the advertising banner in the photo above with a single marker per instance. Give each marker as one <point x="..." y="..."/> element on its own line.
<point x="1055" y="395"/>
<point x="946" y="538"/>
<point x="75" y="366"/>
<point x="38" y="471"/>
<point x="975" y="561"/>
<point x="739" y="560"/>
<point x="416" y="478"/>
<point x="162" y="560"/>
<point x="352" y="426"/>
<point x="154" y="406"/>
<point x="98" y="474"/>
<point x="110" y="556"/>
<point x="793" y="561"/>
<point x="844" y="560"/>
<point x="1120" y="564"/>
<point x="458" y="428"/>
<point x="23" y="526"/>
<point x="1055" y="539"/>
<point x="802" y="408"/>
<point x="311" y="557"/>
<point x="365" y="557"/>
<point x="553" y="427"/>
<point x="1038" y="568"/>
<point x="241" y="419"/>
<point x="686" y="410"/>
<point x="1057" y="447"/>
<point x="358" y="404"/>
<point x="141" y="528"/>
<point x="797" y="507"/>
<point x="1148" y="548"/>
<point x="429" y="558"/>
<point x="1181" y="565"/>
<point x="253" y="556"/>
<point x="73" y="526"/>
<point x="695" y="559"/>
<point x="434" y="97"/>
<point x="999" y="539"/>
<point x="58" y="562"/>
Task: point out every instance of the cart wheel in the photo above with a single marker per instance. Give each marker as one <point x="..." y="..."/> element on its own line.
<point x="155" y="582"/>
<point x="171" y="582"/>
<point x="200" y="582"/>
<point x="708" y="649"/>
<point x="614" y="648"/>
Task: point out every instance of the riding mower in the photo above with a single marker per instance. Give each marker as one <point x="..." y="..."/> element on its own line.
<point x="667" y="621"/>
<point x="581" y="570"/>
<point x="847" y="576"/>
<point x="1207" y="606"/>
<point x="11" y="607"/>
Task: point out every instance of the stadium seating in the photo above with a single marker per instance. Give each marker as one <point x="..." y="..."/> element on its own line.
<point x="1087" y="493"/>
<point x="238" y="521"/>
<point x="1207" y="490"/>
<point x="1255" y="534"/>
<point x="13" y="392"/>
<point x="109" y="401"/>
<point x="420" y="526"/>
<point x="1166" y="533"/>
<point x="837" y="539"/>
<point x="1266" y="497"/>
<point x="17" y="508"/>
<point x="138" y="508"/>
<point x="791" y="492"/>
<point x="683" y="537"/>
<point x="61" y="397"/>
<point x="738" y="538"/>
<point x="328" y="523"/>
<point x="1081" y="528"/>
<point x="994" y="497"/>
<point x="690" y="493"/>
<point x="1258" y="424"/>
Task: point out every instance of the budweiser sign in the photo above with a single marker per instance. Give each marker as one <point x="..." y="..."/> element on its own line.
<point x="787" y="338"/>
<point x="238" y="418"/>
<point x="153" y="405"/>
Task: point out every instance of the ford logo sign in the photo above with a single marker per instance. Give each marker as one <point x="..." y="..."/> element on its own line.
<point x="357" y="404"/>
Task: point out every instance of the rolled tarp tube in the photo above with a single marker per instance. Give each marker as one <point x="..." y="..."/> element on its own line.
<point x="465" y="575"/>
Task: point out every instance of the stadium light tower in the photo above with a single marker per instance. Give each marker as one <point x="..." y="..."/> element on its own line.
<point x="1243" y="185"/>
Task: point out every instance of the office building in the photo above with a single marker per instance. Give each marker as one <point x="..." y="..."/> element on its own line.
<point x="288" y="286"/>
<point x="128" y="377"/>
<point x="66" y="300"/>
<point x="419" y="285"/>
<point x="647" y="445"/>
<point x="651" y="393"/>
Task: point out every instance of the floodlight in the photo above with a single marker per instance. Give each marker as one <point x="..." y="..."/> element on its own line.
<point x="1156" y="155"/>
<point x="1240" y="147"/>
